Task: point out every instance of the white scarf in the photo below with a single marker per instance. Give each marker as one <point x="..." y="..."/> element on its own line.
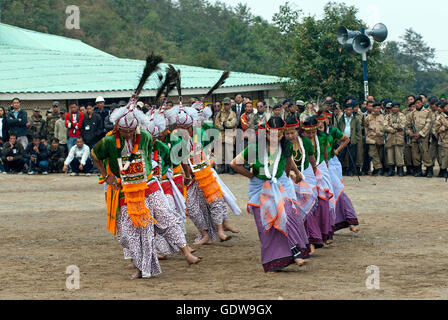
<point x="302" y="148"/>
<point x="317" y="148"/>
<point x="266" y="166"/>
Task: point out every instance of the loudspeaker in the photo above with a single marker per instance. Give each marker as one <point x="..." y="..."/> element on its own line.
<point x="379" y="32"/>
<point x="344" y="35"/>
<point x="361" y="44"/>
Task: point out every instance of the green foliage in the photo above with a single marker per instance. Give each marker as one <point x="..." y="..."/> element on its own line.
<point x="214" y="35"/>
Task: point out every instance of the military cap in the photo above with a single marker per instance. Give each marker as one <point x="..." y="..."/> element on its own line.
<point x="227" y="100"/>
<point x="55" y="103"/>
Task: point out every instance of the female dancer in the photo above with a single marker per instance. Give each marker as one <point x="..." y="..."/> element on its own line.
<point x="272" y="201"/>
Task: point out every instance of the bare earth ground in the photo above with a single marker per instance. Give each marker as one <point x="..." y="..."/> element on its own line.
<point x="49" y="223"/>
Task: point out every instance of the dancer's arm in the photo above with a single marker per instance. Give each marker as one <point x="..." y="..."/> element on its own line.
<point x="291" y="166"/>
<point x="345" y="142"/>
<point x="238" y="168"/>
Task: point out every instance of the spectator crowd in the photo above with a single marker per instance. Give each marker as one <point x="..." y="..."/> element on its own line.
<point x="385" y="137"/>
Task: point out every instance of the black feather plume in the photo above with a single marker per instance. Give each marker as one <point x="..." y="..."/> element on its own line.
<point x="220" y="82"/>
<point x="152" y="62"/>
<point x="170" y="77"/>
<point x="178" y="85"/>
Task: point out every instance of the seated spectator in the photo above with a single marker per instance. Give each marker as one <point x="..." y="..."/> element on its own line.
<point x="36" y="156"/>
<point x="12" y="156"/>
<point x="79" y="159"/>
<point x="56" y="156"/>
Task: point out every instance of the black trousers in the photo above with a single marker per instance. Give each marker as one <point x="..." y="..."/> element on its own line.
<point x="16" y="165"/>
<point x="353" y="149"/>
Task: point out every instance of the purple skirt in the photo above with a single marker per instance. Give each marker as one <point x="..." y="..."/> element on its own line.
<point x="345" y="213"/>
<point x="318" y="224"/>
<point x="276" y="248"/>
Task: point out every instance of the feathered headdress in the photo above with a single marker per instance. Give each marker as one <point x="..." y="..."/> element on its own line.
<point x="129" y="117"/>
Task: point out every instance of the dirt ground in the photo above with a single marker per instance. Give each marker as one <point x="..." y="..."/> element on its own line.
<point x="51" y="222"/>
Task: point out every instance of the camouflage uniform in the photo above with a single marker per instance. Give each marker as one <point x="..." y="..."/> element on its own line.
<point x="421" y="119"/>
<point x="50" y="124"/>
<point x="374" y="125"/>
<point x="441" y="128"/>
<point x="37" y="127"/>
<point x="225" y="121"/>
<point x="407" y="147"/>
<point x="394" y="126"/>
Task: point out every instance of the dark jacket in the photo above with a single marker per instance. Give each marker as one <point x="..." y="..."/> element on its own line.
<point x="355" y="128"/>
<point x="238" y="116"/>
<point x="9" y="152"/>
<point x="18" y="126"/>
<point x="92" y="128"/>
<point x="41" y="156"/>
<point x="56" y="154"/>
<point x="108" y="126"/>
<point x="5" y="130"/>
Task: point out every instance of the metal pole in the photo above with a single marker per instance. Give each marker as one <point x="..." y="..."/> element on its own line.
<point x="364" y="66"/>
<point x="0" y="11"/>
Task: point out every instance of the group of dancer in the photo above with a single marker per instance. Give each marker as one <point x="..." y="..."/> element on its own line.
<point x="157" y="169"/>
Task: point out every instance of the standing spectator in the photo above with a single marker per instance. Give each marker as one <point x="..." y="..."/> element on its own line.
<point x="36" y="125"/>
<point x="12" y="155"/>
<point x="300" y="107"/>
<point x="407" y="140"/>
<point x="238" y="109"/>
<point x="442" y="132"/>
<point x="225" y="121"/>
<point x="56" y="156"/>
<point x="109" y="126"/>
<point x="394" y="126"/>
<point x="309" y="112"/>
<point x="360" y="152"/>
<point x="292" y="112"/>
<point x="50" y="122"/>
<point x="420" y="121"/>
<point x="79" y="159"/>
<point x="3" y="134"/>
<point x="92" y="127"/>
<point x="371" y="98"/>
<point x="259" y="117"/>
<point x="73" y="122"/>
<point x="247" y="116"/>
<point x="433" y="140"/>
<point x="83" y="110"/>
<point x="103" y="112"/>
<point x="36" y="156"/>
<point x="60" y="131"/>
<point x="216" y="109"/>
<point x="374" y="125"/>
<point x="285" y="108"/>
<point x="17" y="120"/>
<point x="350" y="126"/>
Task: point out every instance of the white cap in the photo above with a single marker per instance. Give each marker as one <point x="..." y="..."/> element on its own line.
<point x="100" y="99"/>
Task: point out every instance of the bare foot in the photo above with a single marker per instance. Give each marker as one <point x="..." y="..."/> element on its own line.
<point x="136" y="275"/>
<point x="328" y="242"/>
<point x="162" y="257"/>
<point x="301" y="262"/>
<point x="224" y="237"/>
<point x="354" y="229"/>
<point x="204" y="240"/>
<point x="131" y="267"/>
<point x="228" y="227"/>
<point x="191" y="259"/>
<point x="312" y="249"/>
<point x="190" y="249"/>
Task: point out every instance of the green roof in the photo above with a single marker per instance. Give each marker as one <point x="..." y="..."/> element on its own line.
<point x="33" y="62"/>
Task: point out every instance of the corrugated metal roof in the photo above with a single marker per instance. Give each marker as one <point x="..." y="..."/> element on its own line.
<point x="33" y="62"/>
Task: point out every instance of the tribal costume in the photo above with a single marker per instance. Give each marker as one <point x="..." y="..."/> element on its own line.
<point x="318" y="224"/>
<point x="206" y="201"/>
<point x="272" y="201"/>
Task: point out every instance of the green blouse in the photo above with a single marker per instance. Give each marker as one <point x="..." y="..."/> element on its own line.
<point x="106" y="150"/>
<point x="323" y="142"/>
<point x="333" y="136"/>
<point x="297" y="155"/>
<point x="251" y="156"/>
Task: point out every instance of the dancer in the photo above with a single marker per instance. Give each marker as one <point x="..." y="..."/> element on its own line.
<point x="318" y="222"/>
<point x="135" y="207"/>
<point x="283" y="238"/>
<point x="205" y="204"/>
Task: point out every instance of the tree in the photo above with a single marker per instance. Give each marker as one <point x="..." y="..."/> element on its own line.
<point x="320" y="67"/>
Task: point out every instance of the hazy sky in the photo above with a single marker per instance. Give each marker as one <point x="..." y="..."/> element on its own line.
<point x="425" y="17"/>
